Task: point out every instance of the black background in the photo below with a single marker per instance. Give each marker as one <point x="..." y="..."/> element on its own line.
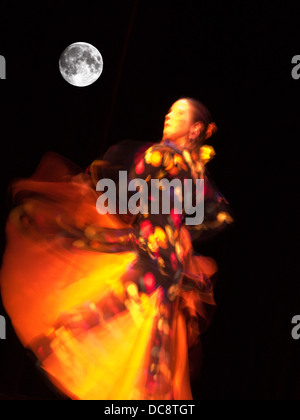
<point x="236" y="58"/>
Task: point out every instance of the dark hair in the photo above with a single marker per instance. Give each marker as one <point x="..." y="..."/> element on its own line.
<point x="202" y="114"/>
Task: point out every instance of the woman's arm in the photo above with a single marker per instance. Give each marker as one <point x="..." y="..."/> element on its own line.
<point x="217" y="213"/>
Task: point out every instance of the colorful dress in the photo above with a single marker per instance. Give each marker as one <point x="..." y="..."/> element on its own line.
<point x="109" y="304"/>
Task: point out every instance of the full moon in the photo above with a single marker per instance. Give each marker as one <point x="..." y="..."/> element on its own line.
<point x="81" y="64"/>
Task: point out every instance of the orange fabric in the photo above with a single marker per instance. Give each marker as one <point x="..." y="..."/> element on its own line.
<point x="69" y="287"/>
<point x="105" y="362"/>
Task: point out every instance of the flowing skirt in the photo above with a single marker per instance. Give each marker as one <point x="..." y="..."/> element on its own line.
<point x="68" y="283"/>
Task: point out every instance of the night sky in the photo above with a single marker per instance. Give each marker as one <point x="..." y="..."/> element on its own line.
<point x="233" y="56"/>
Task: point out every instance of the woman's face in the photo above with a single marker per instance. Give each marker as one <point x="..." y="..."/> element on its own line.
<point x="178" y="121"/>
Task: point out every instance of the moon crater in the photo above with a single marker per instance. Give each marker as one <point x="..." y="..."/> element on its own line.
<point x="81" y="64"/>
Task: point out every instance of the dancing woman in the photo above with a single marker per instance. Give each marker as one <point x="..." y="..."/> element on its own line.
<point x="109" y="304"/>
